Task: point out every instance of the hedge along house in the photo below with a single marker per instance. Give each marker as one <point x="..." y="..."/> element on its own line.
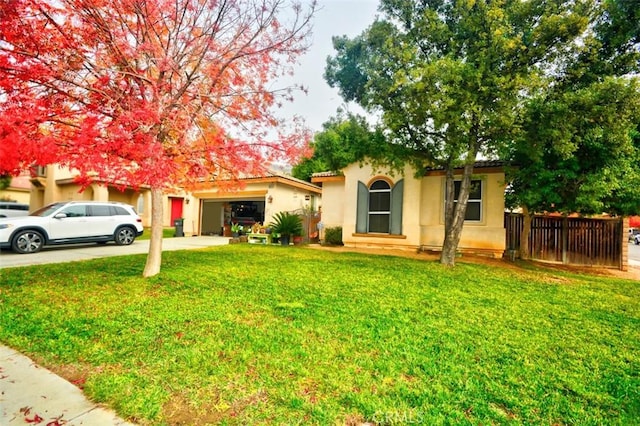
<point x="257" y="199"/>
<point x="377" y="208"/>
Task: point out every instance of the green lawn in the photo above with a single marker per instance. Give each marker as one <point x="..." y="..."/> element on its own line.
<point x="247" y="334"/>
<point x="166" y="233"/>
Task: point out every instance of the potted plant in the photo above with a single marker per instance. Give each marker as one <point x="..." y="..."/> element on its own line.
<point x="235" y="230"/>
<point x="287" y="225"/>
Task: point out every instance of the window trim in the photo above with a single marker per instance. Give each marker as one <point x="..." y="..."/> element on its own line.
<point x="481" y="201"/>
<point x="394" y="214"/>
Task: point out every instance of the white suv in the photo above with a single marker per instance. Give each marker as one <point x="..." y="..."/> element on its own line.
<point x="11" y="209"/>
<point x="71" y="222"/>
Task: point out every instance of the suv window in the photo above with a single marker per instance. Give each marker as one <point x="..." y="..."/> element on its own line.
<point x="75" y="211"/>
<point x="17" y="207"/>
<point x="100" y="211"/>
<point x="14" y="206"/>
<point x="119" y="211"/>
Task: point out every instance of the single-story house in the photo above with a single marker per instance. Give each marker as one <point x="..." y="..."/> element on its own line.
<point x="257" y="199"/>
<point x="378" y="208"/>
<point x="203" y="212"/>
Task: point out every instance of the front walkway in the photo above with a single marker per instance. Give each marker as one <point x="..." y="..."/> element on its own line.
<point x="30" y="394"/>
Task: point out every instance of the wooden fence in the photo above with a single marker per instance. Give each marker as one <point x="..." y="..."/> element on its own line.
<point x="572" y="240"/>
<point x="310" y="220"/>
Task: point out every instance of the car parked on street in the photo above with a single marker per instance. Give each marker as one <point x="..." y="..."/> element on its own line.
<point x="634" y="236"/>
<point x="13" y="209"/>
<point x="71" y="222"/>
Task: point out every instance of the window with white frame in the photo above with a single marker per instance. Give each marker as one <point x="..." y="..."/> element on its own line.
<point x="474" y="204"/>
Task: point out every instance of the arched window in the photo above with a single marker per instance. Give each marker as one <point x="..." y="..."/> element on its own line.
<point x="379" y="207"/>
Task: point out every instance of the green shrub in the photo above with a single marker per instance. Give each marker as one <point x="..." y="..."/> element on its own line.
<point x="285" y="223"/>
<point x="333" y="236"/>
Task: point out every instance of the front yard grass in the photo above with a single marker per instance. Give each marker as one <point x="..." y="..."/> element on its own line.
<point x="166" y="233"/>
<point x="247" y="334"/>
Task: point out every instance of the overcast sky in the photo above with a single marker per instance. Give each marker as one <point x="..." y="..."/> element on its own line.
<point x="334" y="17"/>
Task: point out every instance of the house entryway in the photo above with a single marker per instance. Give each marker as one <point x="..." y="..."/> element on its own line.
<point x="176" y="208"/>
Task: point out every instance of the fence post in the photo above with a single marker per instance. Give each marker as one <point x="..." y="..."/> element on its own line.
<point x="565" y="240"/>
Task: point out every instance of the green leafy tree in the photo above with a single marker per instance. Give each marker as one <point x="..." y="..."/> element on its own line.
<point x="5" y="181"/>
<point x="343" y="140"/>
<point x="448" y="79"/>
<point x="579" y="150"/>
<point x="307" y="167"/>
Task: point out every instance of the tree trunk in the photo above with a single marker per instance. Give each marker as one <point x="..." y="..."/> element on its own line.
<point x="454" y="214"/>
<point x="154" y="257"/>
<point x="527" y="218"/>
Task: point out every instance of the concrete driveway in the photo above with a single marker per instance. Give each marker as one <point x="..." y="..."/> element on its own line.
<point x="71" y="253"/>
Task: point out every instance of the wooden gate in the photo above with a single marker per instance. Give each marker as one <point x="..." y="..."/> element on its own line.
<point x="569" y="240"/>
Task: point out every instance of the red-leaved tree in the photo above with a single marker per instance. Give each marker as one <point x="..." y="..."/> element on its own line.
<point x="161" y="93"/>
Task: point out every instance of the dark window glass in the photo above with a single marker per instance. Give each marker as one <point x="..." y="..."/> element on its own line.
<point x="473" y="211"/>
<point x="17" y="207"/>
<point x="474" y="204"/>
<point x="75" y="211"/>
<point x="120" y="211"/>
<point x="379" y="185"/>
<point x="380" y="202"/>
<point x="475" y="192"/>
<point x="379" y="223"/>
<point x="100" y="211"/>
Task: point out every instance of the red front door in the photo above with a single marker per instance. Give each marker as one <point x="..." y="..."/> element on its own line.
<point x="176" y="209"/>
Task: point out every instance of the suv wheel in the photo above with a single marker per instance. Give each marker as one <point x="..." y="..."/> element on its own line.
<point x="125" y="236"/>
<point x="28" y="242"/>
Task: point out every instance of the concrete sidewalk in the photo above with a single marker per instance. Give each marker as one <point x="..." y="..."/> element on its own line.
<point x="29" y="392"/>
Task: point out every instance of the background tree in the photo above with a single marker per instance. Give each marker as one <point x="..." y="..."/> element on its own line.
<point x="147" y="92"/>
<point x="343" y="140"/>
<point x="5" y="181"/>
<point x="449" y="79"/>
<point x="579" y="151"/>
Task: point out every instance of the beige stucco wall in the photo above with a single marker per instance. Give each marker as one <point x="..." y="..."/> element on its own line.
<point x="486" y="236"/>
<point x="18" y="195"/>
<point x="333" y="203"/>
<point x="422" y="212"/>
<point x="287" y="198"/>
<point x="19" y="190"/>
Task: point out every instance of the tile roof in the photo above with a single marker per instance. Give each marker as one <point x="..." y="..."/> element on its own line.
<point x="326" y="174"/>
<point x="482" y="164"/>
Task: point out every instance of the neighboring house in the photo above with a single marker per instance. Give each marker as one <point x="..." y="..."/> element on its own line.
<point x="53" y="183"/>
<point x="203" y="212"/>
<point x="382" y="209"/>
<point x="19" y="190"/>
